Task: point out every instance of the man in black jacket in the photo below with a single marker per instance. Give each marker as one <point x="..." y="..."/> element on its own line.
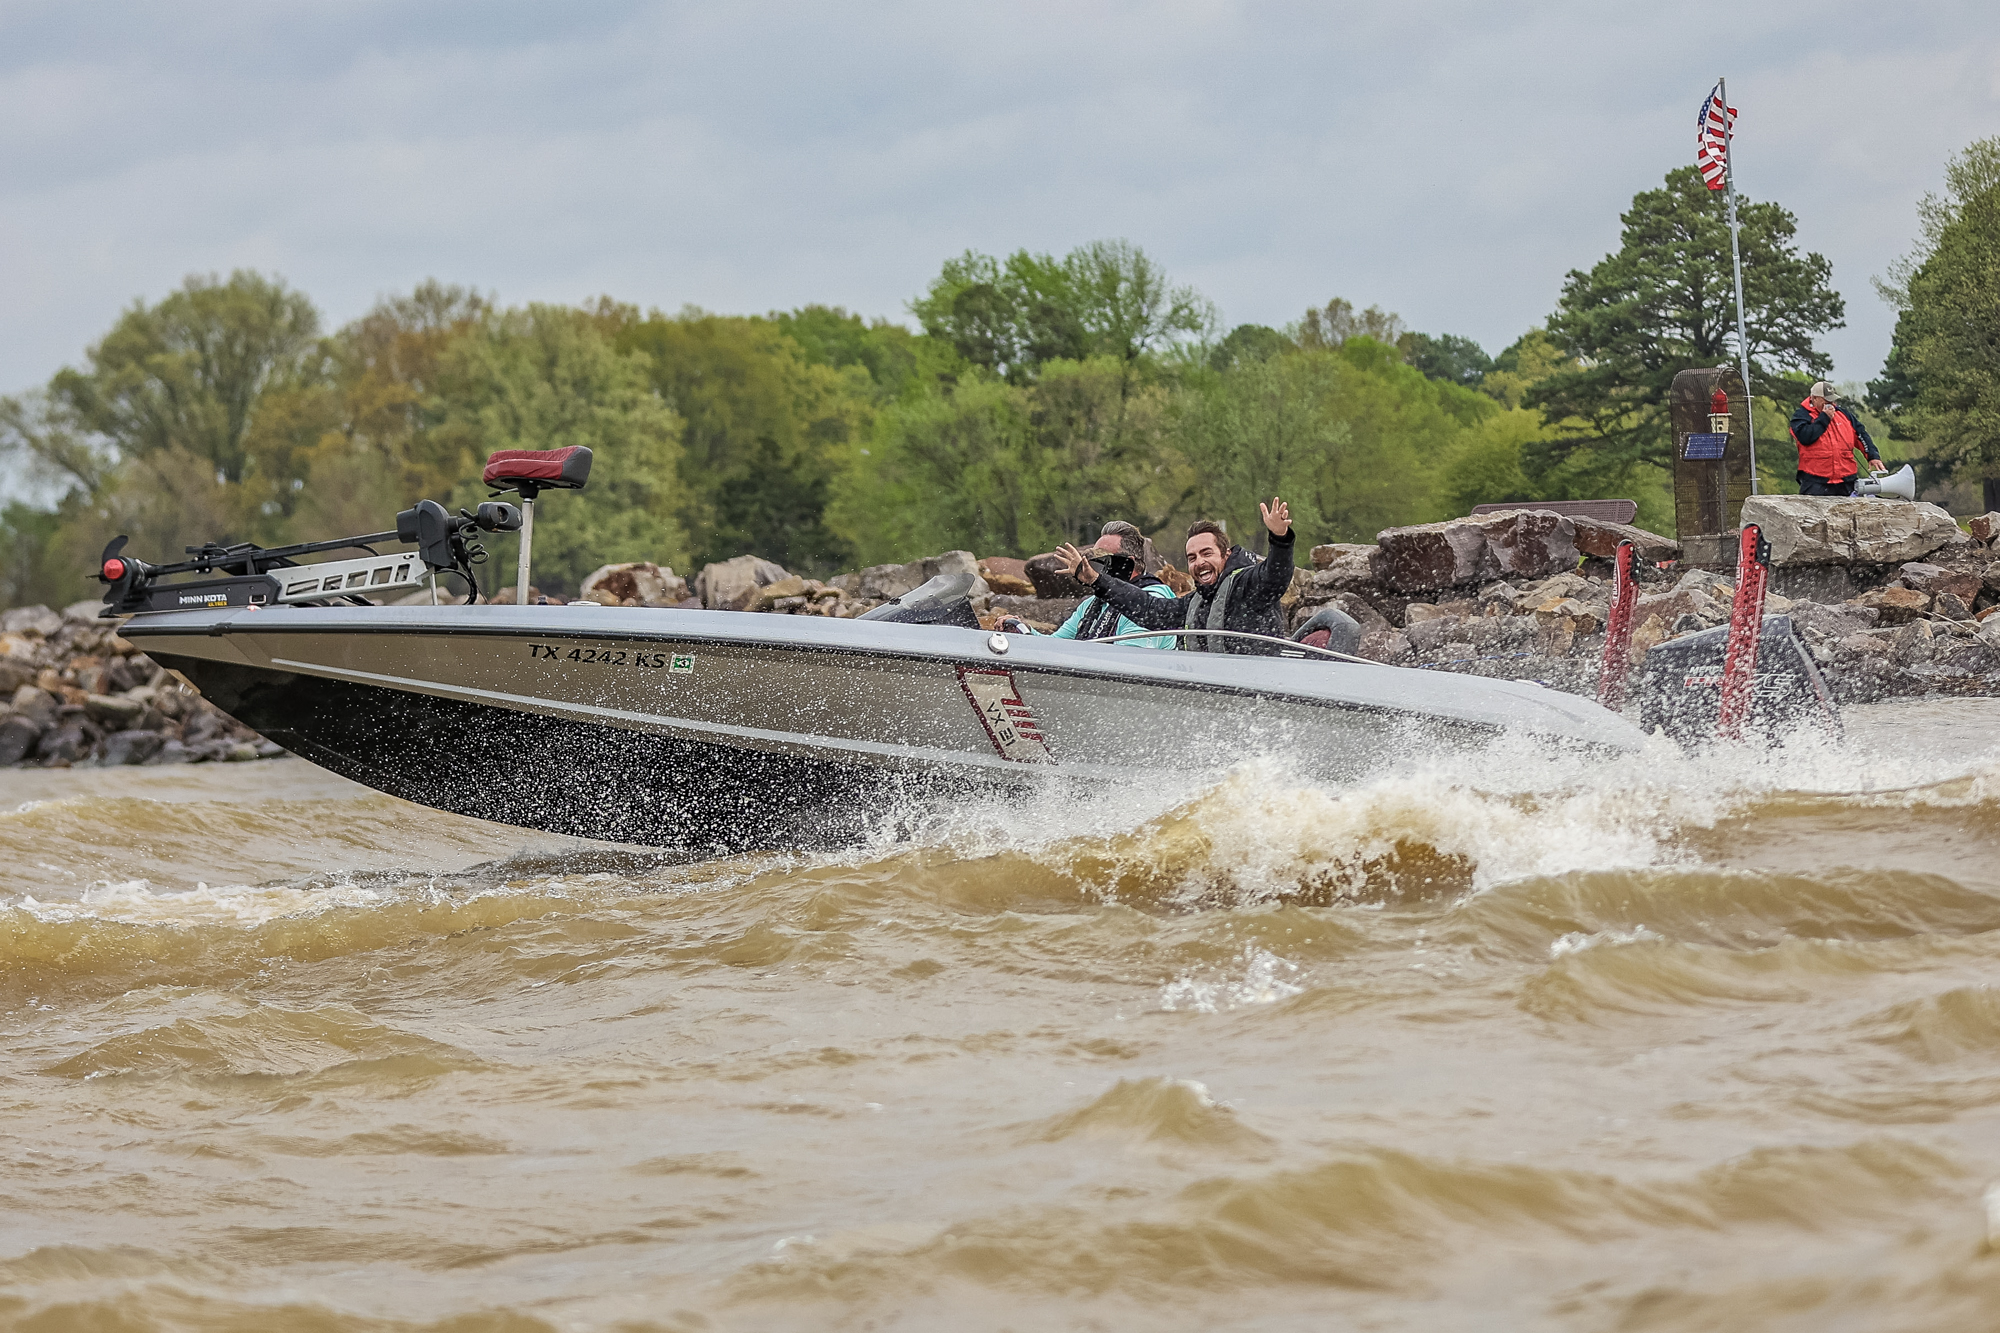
<point x="1233" y="590"/>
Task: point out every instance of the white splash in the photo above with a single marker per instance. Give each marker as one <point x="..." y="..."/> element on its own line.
<point x="1576" y="941"/>
<point x="1263" y="981"/>
<point x="137" y="902"/>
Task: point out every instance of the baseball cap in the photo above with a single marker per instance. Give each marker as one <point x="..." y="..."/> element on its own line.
<point x="1822" y="389"/>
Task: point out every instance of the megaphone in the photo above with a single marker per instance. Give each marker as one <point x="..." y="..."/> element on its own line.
<point x="1900" y="485"/>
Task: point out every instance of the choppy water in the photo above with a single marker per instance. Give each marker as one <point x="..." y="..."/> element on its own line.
<point x="1503" y="1044"/>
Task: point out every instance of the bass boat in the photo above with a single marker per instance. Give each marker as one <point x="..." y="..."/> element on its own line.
<point x="717" y="731"/>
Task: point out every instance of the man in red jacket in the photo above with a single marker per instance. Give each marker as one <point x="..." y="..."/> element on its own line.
<point x="1827" y="435"/>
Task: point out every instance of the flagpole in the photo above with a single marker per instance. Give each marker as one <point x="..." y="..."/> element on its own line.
<point x="1736" y="256"/>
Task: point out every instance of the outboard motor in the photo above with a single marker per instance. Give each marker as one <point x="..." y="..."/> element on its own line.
<point x="1681" y="686"/>
<point x="1330" y="628"/>
<point x="945" y="600"/>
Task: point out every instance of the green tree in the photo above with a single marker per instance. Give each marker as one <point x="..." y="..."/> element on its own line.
<point x="1107" y="298"/>
<point x="1446" y="356"/>
<point x="1352" y="436"/>
<point x="1970" y="177"/>
<point x="1007" y="469"/>
<point x="546" y="377"/>
<point x="766" y="432"/>
<point x="1663" y="303"/>
<point x="893" y="357"/>
<point x="1948" y="345"/>
<point x="193" y="373"/>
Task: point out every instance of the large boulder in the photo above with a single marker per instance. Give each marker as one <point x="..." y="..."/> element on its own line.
<point x="641" y="582"/>
<point x="1514" y="543"/>
<point x="1427" y="556"/>
<point x="1046" y="572"/>
<point x="1006" y="576"/>
<point x="882" y="583"/>
<point x="1530" y="543"/>
<point x="1963" y="584"/>
<point x="729" y="585"/>
<point x="1812" y="530"/>
<point x="1985" y="528"/>
<point x="1599" y="538"/>
<point x="1343" y="566"/>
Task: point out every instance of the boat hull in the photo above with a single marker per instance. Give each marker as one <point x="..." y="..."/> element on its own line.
<point x="713" y="732"/>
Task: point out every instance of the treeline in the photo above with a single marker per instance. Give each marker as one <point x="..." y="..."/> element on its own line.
<point x="1039" y="397"/>
<point x="1042" y="397"/>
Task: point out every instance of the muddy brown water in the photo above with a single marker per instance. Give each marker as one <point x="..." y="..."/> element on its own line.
<point x="1499" y="1042"/>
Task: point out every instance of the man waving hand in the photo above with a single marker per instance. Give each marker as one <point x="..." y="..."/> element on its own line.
<point x="1233" y="590"/>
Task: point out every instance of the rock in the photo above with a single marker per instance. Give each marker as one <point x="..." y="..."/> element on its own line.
<point x="1893" y="605"/>
<point x="728" y="585"/>
<point x="1046" y="572"/>
<point x="1951" y="607"/>
<point x="36" y="621"/>
<point x="1383" y="645"/>
<point x="1580" y="617"/>
<point x="1426" y="636"/>
<point x="1597" y="538"/>
<point x="84" y="613"/>
<point x="1529" y="543"/>
<point x="18" y="735"/>
<point x="34" y="703"/>
<point x="1007" y="576"/>
<point x="1984" y="528"/>
<point x="641" y="581"/>
<point x="1868" y="643"/>
<point x="1417" y="612"/>
<point x="241" y="752"/>
<point x="14" y="673"/>
<point x="113" y="712"/>
<point x="1912" y="642"/>
<point x="1815" y="619"/>
<point x="67" y="742"/>
<point x="767" y="598"/>
<point x="1648" y="635"/>
<point x="1934" y="579"/>
<point x="1331" y="554"/>
<point x="130" y="747"/>
<point x="1428" y="556"/>
<point x="1037" y="611"/>
<point x="173" y="752"/>
<point x="1809" y="530"/>
<point x="883" y="583"/>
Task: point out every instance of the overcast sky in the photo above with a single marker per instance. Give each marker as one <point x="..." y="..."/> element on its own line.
<point x="1447" y="161"/>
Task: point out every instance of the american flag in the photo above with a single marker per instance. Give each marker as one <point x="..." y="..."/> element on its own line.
<point x="1710" y="147"/>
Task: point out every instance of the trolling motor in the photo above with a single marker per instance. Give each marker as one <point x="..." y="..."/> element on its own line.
<point x="249" y="575"/>
<point x="529" y="472"/>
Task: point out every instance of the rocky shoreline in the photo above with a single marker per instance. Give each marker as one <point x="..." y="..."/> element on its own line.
<point x="1891" y="598"/>
<point x="77" y="693"/>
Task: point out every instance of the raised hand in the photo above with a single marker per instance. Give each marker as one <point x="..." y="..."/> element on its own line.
<point x="1077" y="564"/>
<point x="1277" y="516"/>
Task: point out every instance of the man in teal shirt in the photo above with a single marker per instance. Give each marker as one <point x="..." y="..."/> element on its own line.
<point x="1120" y="551"/>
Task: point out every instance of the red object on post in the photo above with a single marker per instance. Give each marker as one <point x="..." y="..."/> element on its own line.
<point x="1719" y="404"/>
<point x="1616" y="665"/>
<point x="1746" y="626"/>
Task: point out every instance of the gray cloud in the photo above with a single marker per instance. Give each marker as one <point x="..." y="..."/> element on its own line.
<point x="1449" y="161"/>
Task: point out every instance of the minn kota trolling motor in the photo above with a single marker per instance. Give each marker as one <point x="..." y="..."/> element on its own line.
<point x="249" y="575"/>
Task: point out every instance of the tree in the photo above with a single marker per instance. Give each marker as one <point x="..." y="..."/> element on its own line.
<point x="892" y="356"/>
<point x="1107" y="298"/>
<point x="1446" y="356"/>
<point x="1336" y="322"/>
<point x="1900" y="394"/>
<point x="1249" y="342"/>
<point x="1008" y="469"/>
<point x="545" y="377"/>
<point x="1666" y="302"/>
<point x="191" y="372"/>
<point x="765" y="434"/>
<point x="1948" y="346"/>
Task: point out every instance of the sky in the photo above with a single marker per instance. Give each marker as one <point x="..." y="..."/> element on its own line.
<point x="1447" y="161"/>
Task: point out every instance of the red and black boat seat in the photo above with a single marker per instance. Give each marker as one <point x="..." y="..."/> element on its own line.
<point x="539" y="469"/>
